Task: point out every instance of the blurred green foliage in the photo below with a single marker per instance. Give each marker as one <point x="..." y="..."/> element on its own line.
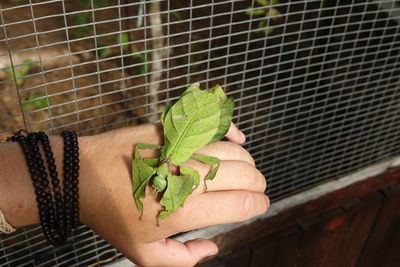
<point x="143" y="58"/>
<point x="36" y="101"/>
<point x="267" y="11"/>
<point x="102" y="49"/>
<point x="96" y="3"/>
<point x="82" y="19"/>
<point x="123" y="39"/>
<point x="20" y="71"/>
<point x="176" y="15"/>
<point x="85" y="18"/>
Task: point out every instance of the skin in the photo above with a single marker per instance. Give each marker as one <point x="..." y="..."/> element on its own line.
<point x="107" y="205"/>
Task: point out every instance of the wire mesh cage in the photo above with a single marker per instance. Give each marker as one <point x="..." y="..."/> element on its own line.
<point x="315" y="83"/>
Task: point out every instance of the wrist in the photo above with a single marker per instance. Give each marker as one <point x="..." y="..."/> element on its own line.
<point x="87" y="176"/>
<point x="17" y="198"/>
<point x="17" y="194"/>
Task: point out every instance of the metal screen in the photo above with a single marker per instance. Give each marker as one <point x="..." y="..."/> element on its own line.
<point x="316" y="84"/>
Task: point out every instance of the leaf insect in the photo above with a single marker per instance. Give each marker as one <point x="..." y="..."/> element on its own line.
<point x="198" y="118"/>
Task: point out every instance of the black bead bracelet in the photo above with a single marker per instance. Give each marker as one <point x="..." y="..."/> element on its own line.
<point x="47" y="218"/>
<point x="71" y="174"/>
<point x="32" y="156"/>
<point x="57" y="213"/>
<point x="58" y="207"/>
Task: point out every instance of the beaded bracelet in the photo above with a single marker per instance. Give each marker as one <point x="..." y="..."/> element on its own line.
<point x="71" y="174"/>
<point x="57" y="213"/>
<point x="37" y="179"/>
<point x="43" y="193"/>
<point x="60" y="216"/>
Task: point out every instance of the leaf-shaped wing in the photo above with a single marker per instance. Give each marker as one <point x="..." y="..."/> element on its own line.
<point x="150" y="161"/>
<point x="164" y="113"/>
<point x="224" y="120"/>
<point x="193" y="87"/>
<point x="141" y="174"/>
<point x="191" y="172"/>
<point x="178" y="189"/>
<point x="190" y="124"/>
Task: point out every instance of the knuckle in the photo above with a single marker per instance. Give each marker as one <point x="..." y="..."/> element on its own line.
<point x="240" y="153"/>
<point x="246" y="203"/>
<point x="254" y="177"/>
<point x="235" y="149"/>
<point x="250" y="159"/>
<point x="250" y="174"/>
<point x="252" y="204"/>
<point x="263" y="204"/>
<point x="263" y="186"/>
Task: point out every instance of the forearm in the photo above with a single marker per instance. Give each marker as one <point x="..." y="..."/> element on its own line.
<point x="17" y="196"/>
<point x="108" y="207"/>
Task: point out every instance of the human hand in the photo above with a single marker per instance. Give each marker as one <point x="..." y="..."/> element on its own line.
<point x="108" y="207"/>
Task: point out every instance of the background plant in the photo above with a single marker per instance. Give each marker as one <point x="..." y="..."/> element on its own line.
<point x="176" y="14"/>
<point x="85" y="18"/>
<point x="36" y="102"/>
<point x="19" y="73"/>
<point x="143" y="57"/>
<point x="123" y="40"/>
<point x="268" y="11"/>
<point x="82" y="19"/>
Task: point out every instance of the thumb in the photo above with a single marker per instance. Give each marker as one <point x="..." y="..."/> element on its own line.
<point x="235" y="135"/>
<point x="201" y="248"/>
<point x="169" y="252"/>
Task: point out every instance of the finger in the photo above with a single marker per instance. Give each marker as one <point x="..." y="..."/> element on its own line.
<point x="231" y="175"/>
<point x="212" y="208"/>
<point x="227" y="151"/>
<point x="235" y="135"/>
<point x="236" y="175"/>
<point x="169" y="252"/>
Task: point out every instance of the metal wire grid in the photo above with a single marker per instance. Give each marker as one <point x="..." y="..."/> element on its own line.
<point x="29" y="248"/>
<point x="317" y="95"/>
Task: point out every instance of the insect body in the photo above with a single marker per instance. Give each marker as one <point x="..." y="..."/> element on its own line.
<point x="198" y="118"/>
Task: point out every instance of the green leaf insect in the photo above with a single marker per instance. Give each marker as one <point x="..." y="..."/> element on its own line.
<point x="198" y="118"/>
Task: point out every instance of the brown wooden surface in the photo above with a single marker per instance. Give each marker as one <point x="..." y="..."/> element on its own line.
<point x="383" y="245"/>
<point x="261" y="228"/>
<point x="213" y="262"/>
<point x="288" y="253"/>
<point x="264" y="251"/>
<point x="318" y="246"/>
<point x="363" y="216"/>
<point x="355" y="226"/>
<point x="238" y="258"/>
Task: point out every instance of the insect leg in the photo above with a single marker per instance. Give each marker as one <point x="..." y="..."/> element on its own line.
<point x="209" y="160"/>
<point x="142" y="172"/>
<point x="148" y="146"/>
